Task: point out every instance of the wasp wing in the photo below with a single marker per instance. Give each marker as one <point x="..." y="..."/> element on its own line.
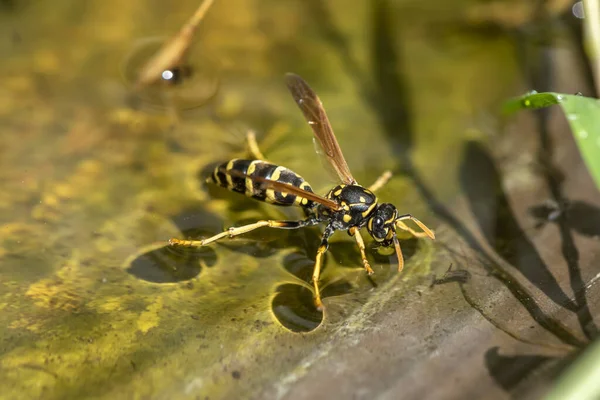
<point x="285" y="188"/>
<point x="332" y="175"/>
<point x="315" y="115"/>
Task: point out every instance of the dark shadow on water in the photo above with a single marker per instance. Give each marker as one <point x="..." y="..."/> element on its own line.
<point x="293" y="305"/>
<point x="169" y="265"/>
<point x="510" y="371"/>
<point x="175" y="264"/>
<point x="460" y="276"/>
<point x="294" y="308"/>
<point x="582" y="217"/>
<point x="318" y="11"/>
<point x="391" y="97"/>
<point x="480" y="181"/>
<point x="538" y="69"/>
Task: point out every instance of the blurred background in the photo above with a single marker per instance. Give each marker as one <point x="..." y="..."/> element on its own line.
<point x="97" y="174"/>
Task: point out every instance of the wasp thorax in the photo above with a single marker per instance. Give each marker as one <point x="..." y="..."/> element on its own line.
<point x="381" y="223"/>
<point x="356" y="205"/>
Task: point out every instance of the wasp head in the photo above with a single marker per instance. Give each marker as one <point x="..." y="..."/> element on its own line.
<point x="381" y="223"/>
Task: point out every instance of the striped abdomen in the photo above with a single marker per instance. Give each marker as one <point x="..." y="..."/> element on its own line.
<point x="256" y="190"/>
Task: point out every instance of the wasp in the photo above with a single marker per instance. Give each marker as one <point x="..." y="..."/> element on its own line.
<point x="347" y="207"/>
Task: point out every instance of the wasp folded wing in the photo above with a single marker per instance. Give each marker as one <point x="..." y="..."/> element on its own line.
<point x="315" y="115"/>
<point x="285" y="188"/>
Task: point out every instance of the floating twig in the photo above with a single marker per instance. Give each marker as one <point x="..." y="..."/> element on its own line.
<point x="172" y="53"/>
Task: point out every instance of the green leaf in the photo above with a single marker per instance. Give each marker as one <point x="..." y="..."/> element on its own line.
<point x="582" y="378"/>
<point x="583" y="114"/>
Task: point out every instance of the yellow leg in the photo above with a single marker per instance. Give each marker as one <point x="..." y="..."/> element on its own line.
<point x="399" y="254"/>
<point x="404" y="227"/>
<point x="361" y="245"/>
<point x="253" y="146"/>
<point x="318" y="262"/>
<point x="316" y="275"/>
<point x="381" y="181"/>
<point x="231" y="232"/>
<point x="426" y="231"/>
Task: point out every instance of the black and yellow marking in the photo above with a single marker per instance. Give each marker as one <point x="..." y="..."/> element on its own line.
<point x="356" y="201"/>
<point x="369" y="210"/>
<point x="300" y="201"/>
<point x="348" y="206"/>
<point x="243" y="181"/>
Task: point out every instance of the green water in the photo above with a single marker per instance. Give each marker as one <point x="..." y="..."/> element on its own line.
<point x="95" y="180"/>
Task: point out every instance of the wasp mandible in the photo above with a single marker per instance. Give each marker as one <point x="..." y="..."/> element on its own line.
<point x="348" y="206"/>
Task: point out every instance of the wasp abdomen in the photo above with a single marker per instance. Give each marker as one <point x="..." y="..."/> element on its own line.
<point x="256" y="189"/>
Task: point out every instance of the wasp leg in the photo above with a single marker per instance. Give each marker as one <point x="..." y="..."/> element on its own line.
<point x="231" y="232"/>
<point x="253" y="146"/>
<point x="426" y="231"/>
<point x="318" y="262"/>
<point x="361" y="245"/>
<point x="381" y="181"/>
<point x="406" y="228"/>
<point x="398" y="253"/>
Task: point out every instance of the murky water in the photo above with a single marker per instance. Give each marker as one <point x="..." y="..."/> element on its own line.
<point x="97" y="178"/>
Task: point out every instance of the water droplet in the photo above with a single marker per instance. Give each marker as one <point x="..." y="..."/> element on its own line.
<point x="167" y="75"/>
<point x="559" y="97"/>
<point x="583" y="134"/>
<point x="577" y="10"/>
<point x="189" y="85"/>
<point x="553" y="216"/>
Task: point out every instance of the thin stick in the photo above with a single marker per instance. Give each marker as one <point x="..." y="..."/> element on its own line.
<point x="174" y="50"/>
<point x="592" y="33"/>
<point x="381" y="181"/>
